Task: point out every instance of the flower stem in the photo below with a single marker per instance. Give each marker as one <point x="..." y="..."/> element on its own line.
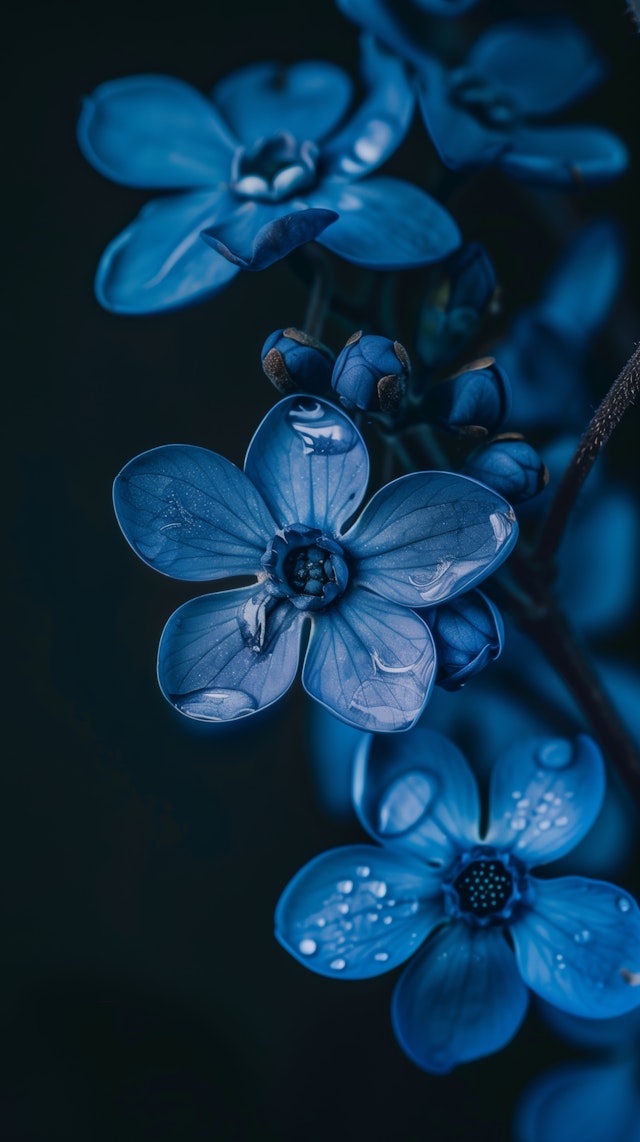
<point x="621" y="396"/>
<point x="321" y="291"/>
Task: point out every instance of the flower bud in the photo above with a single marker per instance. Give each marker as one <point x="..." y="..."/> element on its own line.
<point x="508" y="465"/>
<point x="294" y="362"/>
<point x="450" y="315"/>
<point x="468" y="633"/>
<point x="371" y="373"/>
<point x="474" y="402"/>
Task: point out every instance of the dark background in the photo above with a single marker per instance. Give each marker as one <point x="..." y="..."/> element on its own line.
<point x="143" y="994"/>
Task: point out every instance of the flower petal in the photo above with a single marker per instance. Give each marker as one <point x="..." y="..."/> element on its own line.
<point x="377" y="17"/>
<point x="357" y="911"/>
<point x="385" y="224"/>
<point x="381" y="122"/>
<point x="191" y="514"/>
<point x="415" y="791"/>
<point x="460" y="998"/>
<point x="429" y="536"/>
<point x="545" y="795"/>
<point x="371" y="662"/>
<point x="310" y="463"/>
<point x="154" y="130"/>
<point x="578" y="946"/>
<point x="545" y="63"/>
<point x="586" y="1101"/>
<point x="227" y="655"/>
<point x="160" y="262"/>
<point x="460" y="138"/>
<point x="565" y="157"/>
<point x="257" y="234"/>
<point x="583" y="284"/>
<point x="307" y="99"/>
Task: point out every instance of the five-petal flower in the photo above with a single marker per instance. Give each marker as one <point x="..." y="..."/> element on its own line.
<point x="435" y="881"/>
<point x="264" y="166"/>
<point x="422" y="539"/>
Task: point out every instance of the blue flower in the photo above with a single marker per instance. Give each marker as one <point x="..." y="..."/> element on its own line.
<point x="426" y="537"/>
<point x="546" y="348"/>
<point x="486" y="111"/>
<point x="479" y="927"/>
<point x="261" y="168"/>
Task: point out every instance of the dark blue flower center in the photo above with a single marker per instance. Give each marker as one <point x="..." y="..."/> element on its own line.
<point x="484" y="886"/>
<point x="486" y="100"/>
<point x="274" y="168"/>
<point x="305" y="566"/>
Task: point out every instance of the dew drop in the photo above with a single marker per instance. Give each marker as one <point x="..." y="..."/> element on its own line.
<point x="363" y="870"/>
<point x="338" y="964"/>
<point x="623" y="904"/>
<point x="545" y="823"/>
<point x="345" y="886"/>
<point x="387" y="919"/>
<point x="321" y="921"/>
<point x="560" y="821"/>
<point x="556" y="754"/>
<point x="523" y="804"/>
<point x="343" y="909"/>
<point x="320" y="431"/>
<point x="381" y="956"/>
<point x="378" y="888"/>
<point x="519" y="823"/>
<point x="404" y="803"/>
<point x="307" y="947"/>
<point x="582" y="937"/>
<point x="516" y="795"/>
<point x="371" y="916"/>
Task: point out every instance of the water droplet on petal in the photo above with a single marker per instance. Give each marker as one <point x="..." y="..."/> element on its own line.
<point x="556" y="754"/>
<point x="343" y="908"/>
<point x="378" y="888"/>
<point x="623" y="904"/>
<point x="307" y="947"/>
<point x="381" y="956"/>
<point x="320" y="430"/>
<point x="519" y="823"/>
<point x="387" y="919"/>
<point x="338" y="964"/>
<point x="363" y="870"/>
<point x="404" y="803"/>
<point x="545" y="823"/>
<point x="321" y="921"/>
<point x="582" y="937"/>
<point x="345" y="886"/>
<point x="523" y="803"/>
<point x="561" y="821"/>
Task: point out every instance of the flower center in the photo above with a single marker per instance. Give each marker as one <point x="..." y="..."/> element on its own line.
<point x="484" y="886"/>
<point x="487" y="101"/>
<point x="274" y="168"/>
<point x="305" y="566"/>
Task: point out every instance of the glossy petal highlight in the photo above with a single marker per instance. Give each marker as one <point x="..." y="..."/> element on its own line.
<point x="370" y="662"/>
<point x="160" y="262"/>
<point x="224" y="656"/>
<point x="415" y="792"/>
<point x="460" y="998"/>
<point x="357" y="912"/>
<point x="154" y="131"/>
<point x="431" y="535"/>
<point x="545" y="795"/>
<point x="307" y="99"/>
<point x="578" y="946"/>
<point x="309" y="462"/>
<point x="191" y="514"/>
<point x="385" y="224"/>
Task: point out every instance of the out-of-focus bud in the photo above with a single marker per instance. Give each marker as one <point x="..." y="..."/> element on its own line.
<point x="473" y="402"/>
<point x="450" y="315"/>
<point x="294" y="362"/>
<point x="468" y="633"/>
<point x="508" y="465"/>
<point x="371" y="373"/>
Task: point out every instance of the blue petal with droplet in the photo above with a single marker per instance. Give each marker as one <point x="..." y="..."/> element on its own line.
<point x="459" y="999"/>
<point x="357" y="912"/>
<point x="224" y="656"/>
<point x="416" y="792"/>
<point x="577" y="943"/>
<point x="545" y="795"/>
<point x="371" y="662"/>
<point x="429" y="536"/>
<point x="192" y="514"/>
<point x="309" y="462"/>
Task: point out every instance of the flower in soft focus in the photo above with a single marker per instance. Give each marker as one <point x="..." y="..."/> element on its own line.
<point x="479" y="928"/>
<point x="461" y="292"/>
<point x="487" y="110"/>
<point x="262" y="167"/>
<point x="546" y="350"/>
<point x="422" y="539"/>
<point x="586" y="1101"/>
<point x="510" y="466"/>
